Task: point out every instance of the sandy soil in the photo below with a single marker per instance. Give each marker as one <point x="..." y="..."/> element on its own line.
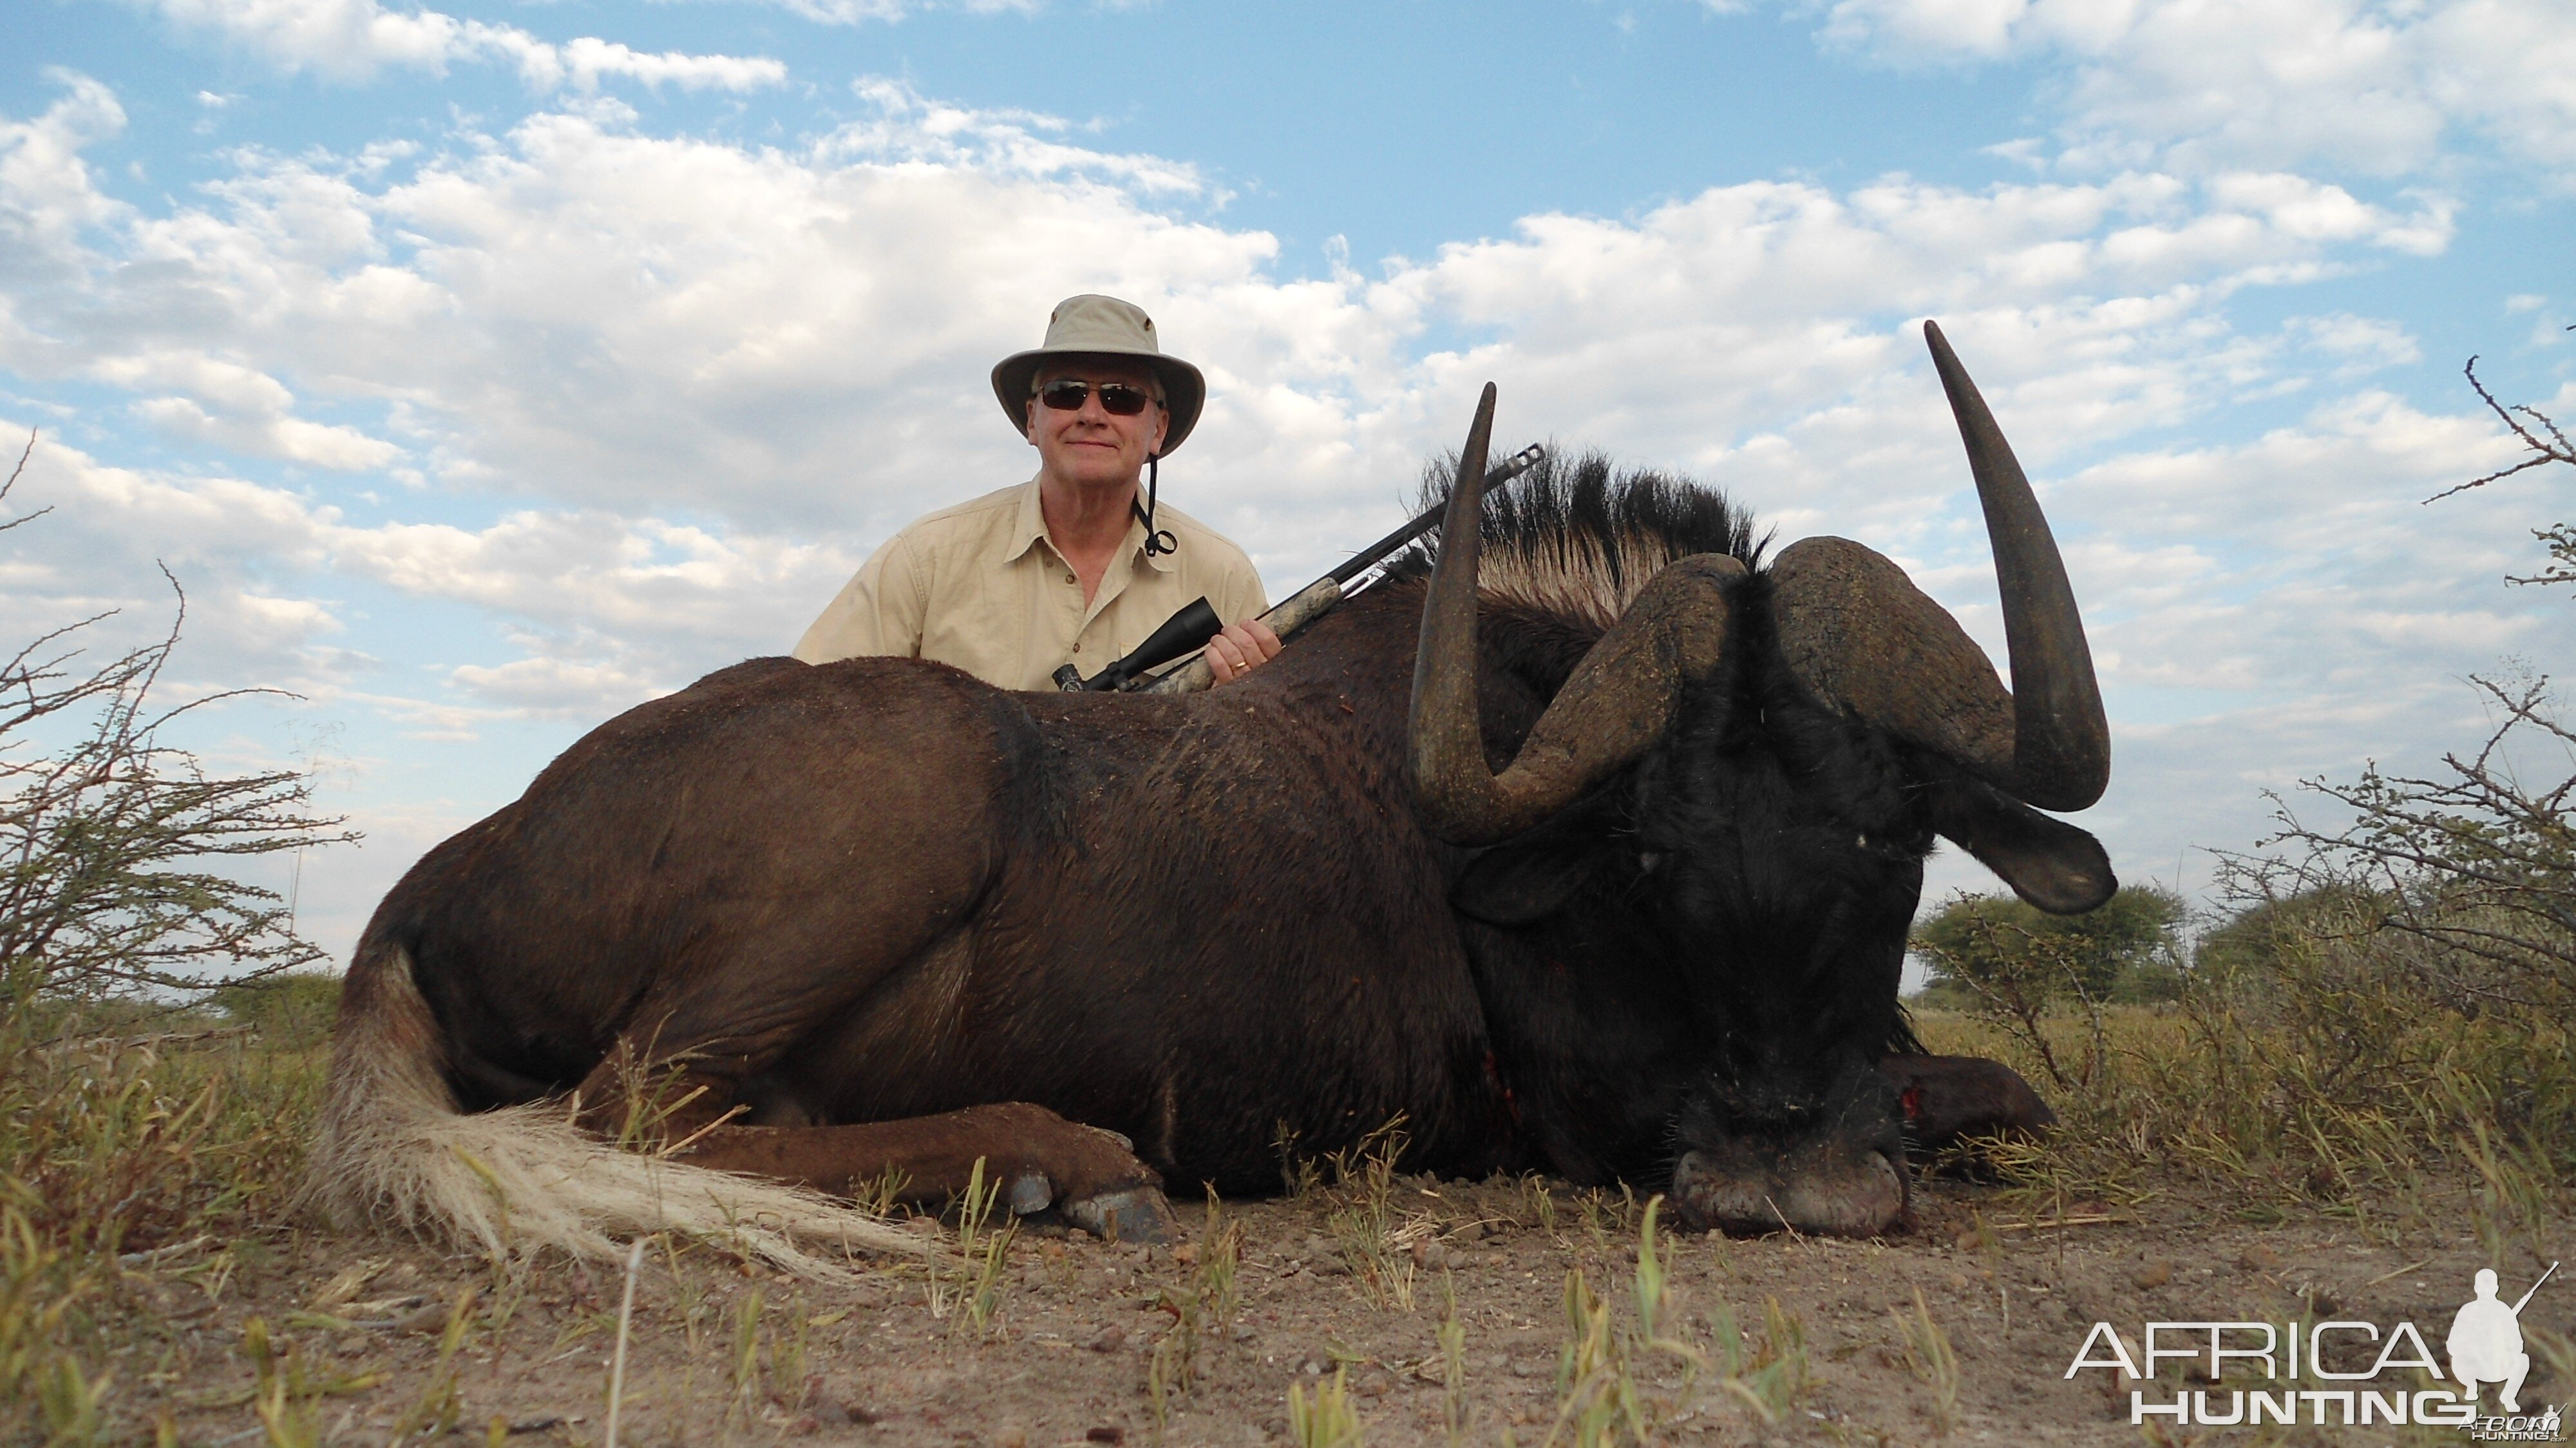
<point x="1070" y="1356"/>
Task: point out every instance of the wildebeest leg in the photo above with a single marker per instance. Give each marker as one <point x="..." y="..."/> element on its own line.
<point x="1946" y="1099"/>
<point x="1039" y="1159"/>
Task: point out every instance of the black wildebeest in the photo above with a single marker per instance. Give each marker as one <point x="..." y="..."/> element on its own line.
<point x="900" y="919"/>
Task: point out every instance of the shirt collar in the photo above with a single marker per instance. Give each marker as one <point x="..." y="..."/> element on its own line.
<point x="1031" y="527"/>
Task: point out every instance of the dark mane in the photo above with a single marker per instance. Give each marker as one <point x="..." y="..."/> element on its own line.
<point x="1576" y="538"/>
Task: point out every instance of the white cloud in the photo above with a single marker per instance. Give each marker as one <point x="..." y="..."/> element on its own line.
<point x="794" y="340"/>
<point x="588" y="58"/>
<point x="854" y="12"/>
<point x="606" y="610"/>
<point x="353" y="39"/>
<point x="2360" y="344"/>
<point x="238" y="408"/>
<point x="47" y="195"/>
<point x="2380" y="87"/>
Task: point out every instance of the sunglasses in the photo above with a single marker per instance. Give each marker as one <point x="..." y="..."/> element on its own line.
<point x="1116" y="398"/>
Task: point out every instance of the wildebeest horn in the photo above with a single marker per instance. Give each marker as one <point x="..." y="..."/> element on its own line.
<point x="1616" y="702"/>
<point x="1857" y="632"/>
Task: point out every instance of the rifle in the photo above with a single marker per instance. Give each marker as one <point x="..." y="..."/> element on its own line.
<point x="1192" y="627"/>
<point x="2535" y="1287"/>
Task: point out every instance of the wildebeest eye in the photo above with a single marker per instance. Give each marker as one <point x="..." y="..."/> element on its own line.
<point x="1649" y="859"/>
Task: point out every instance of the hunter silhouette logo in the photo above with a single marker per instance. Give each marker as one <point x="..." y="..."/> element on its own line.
<point x="2275" y="1362"/>
<point x="2486" y="1342"/>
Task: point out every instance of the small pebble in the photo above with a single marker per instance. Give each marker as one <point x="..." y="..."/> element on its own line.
<point x="2152" y="1274"/>
<point x="2259" y="1258"/>
<point x="1105" y="1433"/>
<point x="1111" y="1339"/>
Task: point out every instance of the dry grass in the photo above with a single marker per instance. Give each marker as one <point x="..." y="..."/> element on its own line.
<point x="129" y="1158"/>
<point x="2348" y="1105"/>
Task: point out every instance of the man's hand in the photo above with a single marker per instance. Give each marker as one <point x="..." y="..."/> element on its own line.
<point x="1240" y="649"/>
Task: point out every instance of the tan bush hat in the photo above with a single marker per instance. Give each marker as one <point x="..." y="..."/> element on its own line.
<point x="1097" y="326"/>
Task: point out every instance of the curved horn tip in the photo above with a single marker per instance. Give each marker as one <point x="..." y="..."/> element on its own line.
<point x="1472" y="458"/>
<point x="1944" y="358"/>
<point x="1484" y="420"/>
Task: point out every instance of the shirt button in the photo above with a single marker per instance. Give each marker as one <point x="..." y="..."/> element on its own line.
<point x="1069" y="578"/>
<point x="1077" y="648"/>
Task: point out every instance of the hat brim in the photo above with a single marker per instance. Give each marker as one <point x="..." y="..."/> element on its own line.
<point x="1184" y="388"/>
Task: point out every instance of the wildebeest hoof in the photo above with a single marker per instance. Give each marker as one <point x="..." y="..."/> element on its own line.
<point x="1861" y="1196"/>
<point x="1945" y="1099"/>
<point x="1133" y="1214"/>
<point x="1031" y="1193"/>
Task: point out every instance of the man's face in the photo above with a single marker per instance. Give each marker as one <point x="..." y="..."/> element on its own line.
<point x="1091" y="445"/>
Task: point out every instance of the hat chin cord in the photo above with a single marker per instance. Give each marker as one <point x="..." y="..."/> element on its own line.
<point x="1162" y="542"/>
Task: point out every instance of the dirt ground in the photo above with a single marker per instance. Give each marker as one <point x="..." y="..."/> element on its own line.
<point x="724" y="1353"/>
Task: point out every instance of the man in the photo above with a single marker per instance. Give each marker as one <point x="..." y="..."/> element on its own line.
<point x="1072" y="566"/>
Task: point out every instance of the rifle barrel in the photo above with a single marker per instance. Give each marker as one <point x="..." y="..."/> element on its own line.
<point x="2535" y="1287"/>
<point x="1326" y="593"/>
<point x="1429" y="518"/>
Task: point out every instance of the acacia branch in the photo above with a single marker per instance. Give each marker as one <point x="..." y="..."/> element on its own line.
<point x="2556" y="449"/>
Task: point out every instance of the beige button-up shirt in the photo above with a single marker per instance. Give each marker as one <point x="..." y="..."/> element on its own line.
<point x="981" y="586"/>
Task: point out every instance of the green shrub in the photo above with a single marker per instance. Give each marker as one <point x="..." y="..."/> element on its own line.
<point x="127" y="1121"/>
<point x="295" y="1008"/>
<point x="2125" y="948"/>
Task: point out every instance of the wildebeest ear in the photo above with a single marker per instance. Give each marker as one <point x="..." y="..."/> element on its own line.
<point x="2048" y="862"/>
<point x="1522" y="883"/>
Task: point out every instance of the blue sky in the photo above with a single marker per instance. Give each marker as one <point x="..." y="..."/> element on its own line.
<point x="486" y="368"/>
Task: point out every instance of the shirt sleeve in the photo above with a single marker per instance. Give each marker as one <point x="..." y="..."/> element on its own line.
<point x="879" y="611"/>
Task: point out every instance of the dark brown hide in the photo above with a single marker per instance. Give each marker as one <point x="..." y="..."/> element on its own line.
<point x="878" y="889"/>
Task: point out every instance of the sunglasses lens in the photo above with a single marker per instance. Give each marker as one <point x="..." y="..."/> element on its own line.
<point x="1068" y="395"/>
